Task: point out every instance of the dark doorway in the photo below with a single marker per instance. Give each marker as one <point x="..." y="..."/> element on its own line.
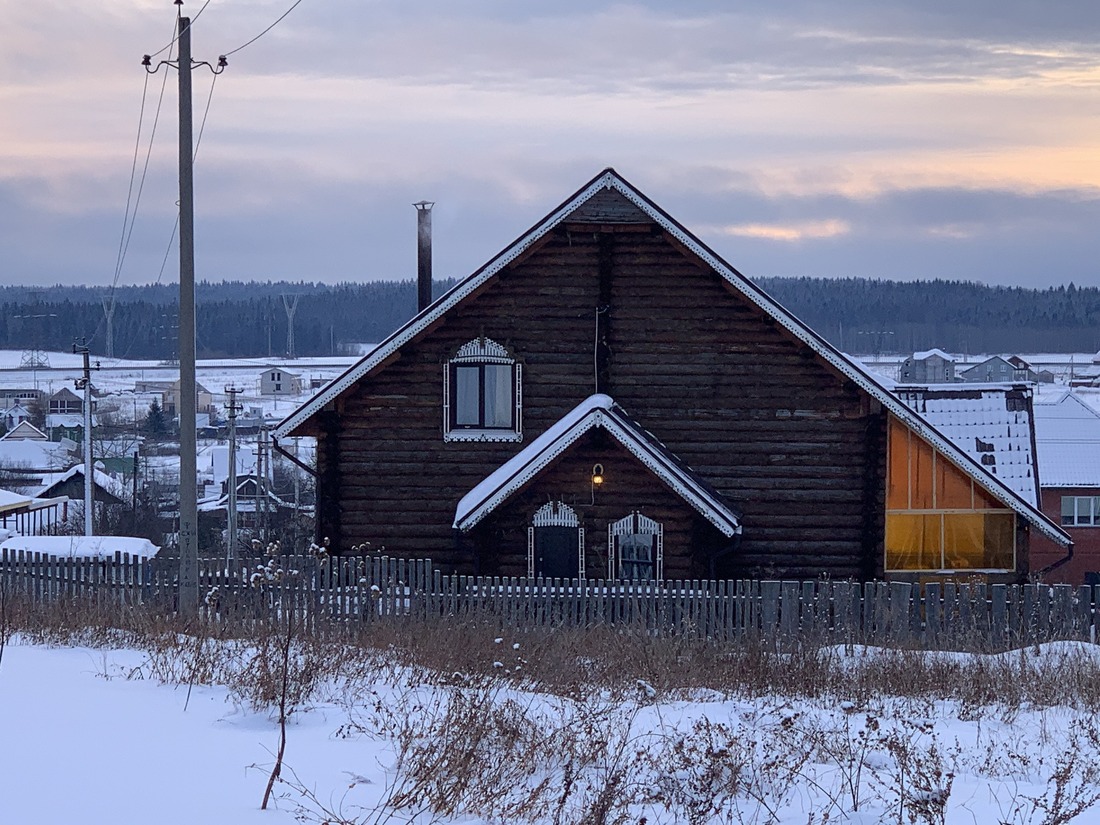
<point x="557" y="552"/>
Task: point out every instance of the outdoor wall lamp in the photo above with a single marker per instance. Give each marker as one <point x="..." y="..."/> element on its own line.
<point x="597" y="475"/>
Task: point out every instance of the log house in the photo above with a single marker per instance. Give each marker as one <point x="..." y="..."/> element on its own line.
<point x="621" y="402"/>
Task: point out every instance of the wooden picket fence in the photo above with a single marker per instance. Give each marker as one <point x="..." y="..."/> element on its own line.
<point x="334" y="595"/>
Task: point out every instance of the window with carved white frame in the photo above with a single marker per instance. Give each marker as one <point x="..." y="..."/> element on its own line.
<point x="482" y="394"/>
<point x="636" y="549"/>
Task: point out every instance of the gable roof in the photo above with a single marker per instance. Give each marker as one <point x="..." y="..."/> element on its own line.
<point x="595" y="411"/>
<point x="928" y="353"/>
<point x="1067" y="438"/>
<point x="24" y="431"/>
<point x="110" y="485"/>
<point x="991" y="423"/>
<point x="609" y="179"/>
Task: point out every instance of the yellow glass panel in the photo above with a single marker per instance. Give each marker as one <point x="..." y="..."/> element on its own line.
<point x="897" y="470"/>
<point x="912" y="541"/>
<point x="964" y="541"/>
<point x="952" y="486"/>
<point x="1000" y="540"/>
<point x="920" y="474"/>
<point x="984" y="501"/>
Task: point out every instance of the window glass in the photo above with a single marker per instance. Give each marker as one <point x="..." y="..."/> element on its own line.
<point x="920" y="474"/>
<point x="897" y="486"/>
<point x="498" y="395"/>
<point x="953" y="487"/>
<point x="466" y="402"/>
<point x="966" y="528"/>
<point x="1069" y="510"/>
<point x="1000" y="539"/>
<point x="912" y="541"/>
<point x="964" y="541"/>
<point x="636" y="556"/>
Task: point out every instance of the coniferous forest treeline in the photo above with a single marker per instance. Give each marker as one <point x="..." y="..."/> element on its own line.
<point x="238" y="319"/>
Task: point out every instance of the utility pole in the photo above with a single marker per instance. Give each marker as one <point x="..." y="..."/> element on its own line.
<point x="261" y="491"/>
<point x="85" y="384"/>
<point x="231" y="512"/>
<point x="189" y="514"/>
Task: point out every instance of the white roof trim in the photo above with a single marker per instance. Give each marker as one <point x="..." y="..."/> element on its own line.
<point x="594" y="411"/>
<point x="610" y="179"/>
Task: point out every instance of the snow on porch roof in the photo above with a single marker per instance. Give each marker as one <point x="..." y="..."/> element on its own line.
<point x="595" y="411"/>
<point x="610" y="179"/>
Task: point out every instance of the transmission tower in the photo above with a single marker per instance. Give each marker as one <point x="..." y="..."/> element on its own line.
<point x="109" y="313"/>
<point x="291" y="307"/>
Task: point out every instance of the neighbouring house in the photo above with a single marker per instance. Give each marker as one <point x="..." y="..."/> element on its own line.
<point x="933" y="366"/>
<point x="15" y="415"/>
<point x="1067" y="435"/>
<point x="170" y="395"/>
<point x="997" y="368"/>
<point x="70" y="426"/>
<point x="278" y="381"/>
<point x="106" y="489"/>
<point x="24" y="396"/>
<point x="608" y="397"/>
<point x="66" y="402"/>
<point x="25" y="431"/>
<point x="253" y="504"/>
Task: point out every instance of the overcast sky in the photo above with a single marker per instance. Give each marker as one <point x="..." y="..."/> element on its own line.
<point x="872" y="138"/>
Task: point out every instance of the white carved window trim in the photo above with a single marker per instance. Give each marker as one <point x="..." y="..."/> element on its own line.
<point x="555" y="514"/>
<point x="482" y="351"/>
<point x="633" y="525"/>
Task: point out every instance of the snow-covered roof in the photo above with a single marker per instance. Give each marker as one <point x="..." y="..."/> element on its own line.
<point x="67" y="420"/>
<point x="12" y="501"/>
<point x="24" y="431"/>
<point x="33" y="454"/>
<point x="928" y="353"/>
<point x="95" y="547"/>
<point x="991" y="423"/>
<point x="109" y="483"/>
<point x="610" y="179"/>
<point x="595" y="411"/>
<point x="1067" y="438"/>
<point x="246" y="498"/>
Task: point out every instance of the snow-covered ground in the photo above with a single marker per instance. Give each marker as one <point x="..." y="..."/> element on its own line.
<point x="92" y="736"/>
<point x="118" y="378"/>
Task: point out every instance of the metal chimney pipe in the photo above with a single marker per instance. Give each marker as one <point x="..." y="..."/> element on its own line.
<point x="423" y="254"/>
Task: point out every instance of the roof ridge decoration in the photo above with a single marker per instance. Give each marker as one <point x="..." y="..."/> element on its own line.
<point x="610" y="179"/>
<point x="595" y="411"/>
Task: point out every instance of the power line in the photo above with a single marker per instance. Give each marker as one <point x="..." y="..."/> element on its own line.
<point x="265" y="31"/>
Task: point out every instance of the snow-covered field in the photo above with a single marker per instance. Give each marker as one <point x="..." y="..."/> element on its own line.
<point x="93" y="736"/>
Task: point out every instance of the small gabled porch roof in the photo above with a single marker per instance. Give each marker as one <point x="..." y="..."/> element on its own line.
<point x="595" y="411"/>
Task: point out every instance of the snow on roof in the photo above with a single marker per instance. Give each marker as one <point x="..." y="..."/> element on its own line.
<point x="991" y="423"/>
<point x="12" y="501"/>
<point x="928" y="353"/>
<point x="1067" y="438"/>
<point x="109" y="483"/>
<point x="24" y="431"/>
<point x="610" y="179"/>
<point x="33" y="454"/>
<point x="94" y="547"/>
<point x="595" y="411"/>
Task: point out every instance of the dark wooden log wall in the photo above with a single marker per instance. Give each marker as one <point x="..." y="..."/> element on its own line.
<point x="628" y="485"/>
<point x="793" y="445"/>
